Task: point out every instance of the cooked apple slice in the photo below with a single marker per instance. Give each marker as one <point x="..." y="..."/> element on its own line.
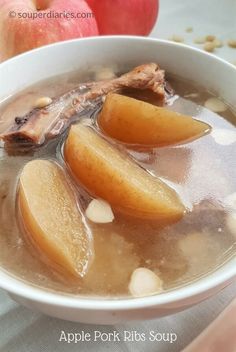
<point x="52" y="219"/>
<point x="135" y="122"/>
<point x="111" y="175"/>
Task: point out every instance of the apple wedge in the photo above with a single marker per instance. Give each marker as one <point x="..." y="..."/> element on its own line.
<point x="51" y="217"/>
<point x="136" y="122"/>
<point x="111" y="175"/>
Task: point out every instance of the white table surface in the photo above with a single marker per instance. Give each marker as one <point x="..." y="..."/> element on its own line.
<point x="22" y="330"/>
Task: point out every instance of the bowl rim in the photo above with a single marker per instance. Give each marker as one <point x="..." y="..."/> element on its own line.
<point x="219" y="278"/>
<point x="131" y="38"/>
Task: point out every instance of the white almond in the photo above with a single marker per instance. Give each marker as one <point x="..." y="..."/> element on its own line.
<point x="231" y="223"/>
<point x="105" y="74"/>
<point x="210" y="38"/>
<point x="223" y="136"/>
<point x="177" y="38"/>
<point x="145" y="282"/>
<point x="193" y="244"/>
<point x="99" y="211"/>
<point x="215" y="105"/>
<point x="218" y="43"/>
<point x="191" y="95"/>
<point x="209" y="46"/>
<point x="200" y="40"/>
<point x="230" y="201"/>
<point x="189" y="29"/>
<point x="232" y="43"/>
<point x="42" y="102"/>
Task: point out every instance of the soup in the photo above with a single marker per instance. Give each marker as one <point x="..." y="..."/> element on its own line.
<point x="131" y="254"/>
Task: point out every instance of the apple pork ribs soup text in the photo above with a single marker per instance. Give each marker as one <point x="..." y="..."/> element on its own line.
<point x="120" y="186"/>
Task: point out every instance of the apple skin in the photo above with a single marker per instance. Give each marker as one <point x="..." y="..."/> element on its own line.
<point x="18" y="35"/>
<point x="134" y="17"/>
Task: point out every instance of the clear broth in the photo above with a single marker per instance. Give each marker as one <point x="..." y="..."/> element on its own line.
<point x="202" y="172"/>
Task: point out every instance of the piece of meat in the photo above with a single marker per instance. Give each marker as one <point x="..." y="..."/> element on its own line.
<point x="40" y="125"/>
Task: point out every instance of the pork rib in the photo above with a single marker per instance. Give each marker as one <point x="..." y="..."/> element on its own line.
<point x="40" y="125"/>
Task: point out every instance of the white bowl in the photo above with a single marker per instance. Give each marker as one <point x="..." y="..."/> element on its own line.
<point x="204" y="69"/>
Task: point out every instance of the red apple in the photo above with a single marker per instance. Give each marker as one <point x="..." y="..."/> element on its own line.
<point x="54" y="22"/>
<point x="135" y="17"/>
